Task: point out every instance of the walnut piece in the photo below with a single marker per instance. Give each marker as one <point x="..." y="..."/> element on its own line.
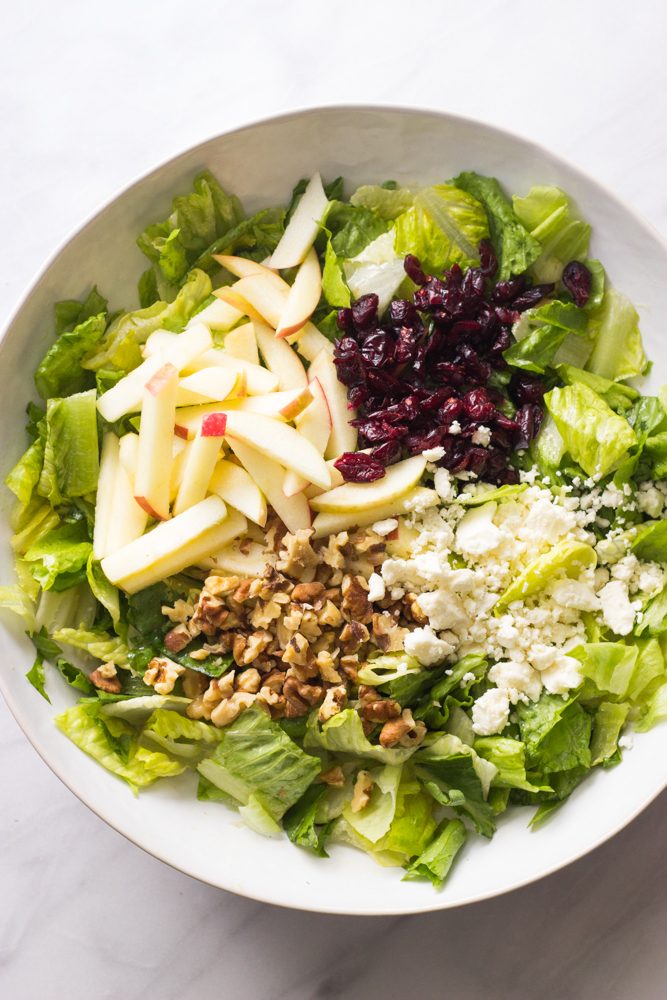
<point x="249" y="681"/>
<point x="110" y="684"/>
<point x="177" y="639"/>
<point x="298" y="553"/>
<point x="334" y="777"/>
<point x="387" y="634"/>
<point x="231" y="708"/>
<point x="334" y="702"/>
<point x="334" y="552"/>
<point x="180" y="612"/>
<point x="352" y="636"/>
<point x="403" y="730"/>
<point x="307" y="593"/>
<point x="194" y="683"/>
<point x="220" y="586"/>
<point x="381" y="711"/>
<point x="355" y="599"/>
<point x="361" y="796"/>
<point x="162" y="674"/>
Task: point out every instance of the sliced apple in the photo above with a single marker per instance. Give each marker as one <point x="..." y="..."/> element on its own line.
<point x="343" y="437"/>
<point x="352" y="497"/>
<point x="128" y="520"/>
<point x="280" y="358"/>
<point x="208" y="385"/>
<point x="172" y="546"/>
<point x="241" y="267"/>
<point x="233" y="297"/>
<point x="250" y="561"/>
<point x="278" y="405"/>
<point x="155" y="442"/>
<point x="269" y="476"/>
<point x="309" y="342"/>
<point x="126" y="395"/>
<point x="109" y="462"/>
<point x="303" y="297"/>
<point x="179" y="462"/>
<point x="202" y="456"/>
<point x="237" y="488"/>
<point x="314" y="423"/>
<point x="217" y="316"/>
<point x="417" y="499"/>
<point x="258" y="380"/>
<point x="303" y="227"/>
<point x="242" y="343"/>
<point x="280" y="442"/>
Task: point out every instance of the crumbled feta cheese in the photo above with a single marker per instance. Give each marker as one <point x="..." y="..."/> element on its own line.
<point x="612" y="496"/>
<point x="617" y="612"/>
<point x="443" y="609"/>
<point x="482" y="436"/>
<point x="548" y="521"/>
<point x="434" y="454"/>
<point x="626" y="742"/>
<point x="476" y="533"/>
<point x="385" y="527"/>
<point x="574" y="594"/>
<point x="397" y="593"/>
<point x="467" y="679"/>
<point x="518" y="679"/>
<point x="425" y="645"/>
<point x="650" y="501"/>
<point x="530" y="476"/>
<point x="444" y="485"/>
<point x="562" y="675"/>
<point x="491" y="712"/>
<point x="455" y="427"/>
<point x="651" y="578"/>
<point x="376" y="588"/>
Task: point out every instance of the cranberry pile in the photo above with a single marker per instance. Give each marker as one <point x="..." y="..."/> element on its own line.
<point x="421" y="380"/>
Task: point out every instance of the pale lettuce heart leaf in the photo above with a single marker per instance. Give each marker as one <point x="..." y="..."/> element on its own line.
<point x="413" y="826"/>
<point x="595" y="436"/>
<point x="444" y="227"/>
<point x="610" y="665"/>
<point x="374" y="820"/>
<point x="546" y="215"/>
<point x="615" y="394"/>
<point x="65" y="550"/>
<point x="100" y="644"/>
<point x="609" y="720"/>
<point x="655" y="710"/>
<point x="344" y="734"/>
<point x="137" y="710"/>
<point x="509" y="758"/>
<point x="71" y="462"/>
<point x="378" y="269"/>
<point x="19" y="601"/>
<point x="383" y="202"/>
<point x="619" y="352"/>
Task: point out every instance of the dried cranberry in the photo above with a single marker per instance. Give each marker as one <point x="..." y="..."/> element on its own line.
<point x="383" y="383"/>
<point x="478" y="406"/>
<point x="387" y="453"/>
<point x="451" y="410"/>
<point x="454" y="276"/>
<point x="376" y="429"/>
<point x="403" y="313"/>
<point x="501" y="343"/>
<point x="478" y="372"/>
<point x="505" y="291"/>
<point x="447" y="371"/>
<point x="532" y="296"/>
<point x="578" y="279"/>
<point x="364" y="311"/>
<point x="357" y="395"/>
<point x="505" y="423"/>
<point x="528" y="419"/>
<point x="378" y="350"/>
<point x="507" y="316"/>
<point x="434" y="400"/>
<point x="356" y="467"/>
<point x="525" y="388"/>
<point x="413" y="269"/>
<point x="488" y="260"/>
<point x="408" y="342"/>
<point x="464" y="328"/>
<point x="416" y="443"/>
<point x="508" y="477"/>
<point x="473" y="284"/>
<point x="344" y="319"/>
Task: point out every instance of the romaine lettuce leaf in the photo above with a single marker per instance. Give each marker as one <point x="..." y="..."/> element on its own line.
<point x="609" y="720"/>
<point x="178" y="736"/>
<point x="611" y="665"/>
<point x="26" y="474"/>
<point x="378" y="269"/>
<point x="435" y="862"/>
<point x="104" y="591"/>
<point x="101" y="645"/>
<point x="413" y="826"/>
<point x="19" y="601"/>
<point x="509" y="758"/>
<point x="453" y="780"/>
<point x="31" y="523"/>
<point x="344" y="734"/>
<point x="537" y="719"/>
<point x="257" y="758"/>
<point x="65" y="550"/>
<point x="615" y="394"/>
<point x="618" y="353"/>
<point x="594" y="435"/>
<point x="141" y="768"/>
<point x="389" y="667"/>
<point x="71" y="312"/>
<point x="342" y="833"/>
<point x="655" y="710"/>
<point x="545" y="214"/>
<point x="536" y="352"/>
<point x="74" y="676"/>
<point x="444" y="227"/>
<point x="299" y="820"/>
<point x="374" y="820"/>
<point x="60" y="373"/>
<point x="515" y="248"/>
<point x="255" y="238"/>
<point x="137" y="710"/>
<point x="383" y="202"/>
<point x="334" y="287"/>
<point x="567" y="744"/>
<point x="36" y="676"/>
<point x="71" y="462"/>
<point x="352" y="229"/>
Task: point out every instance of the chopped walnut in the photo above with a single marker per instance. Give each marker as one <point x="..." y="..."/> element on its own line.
<point x="298" y="553"/>
<point x="349" y="665"/>
<point x="107" y="670"/>
<point x="162" y="674"/>
<point x="194" y="683"/>
<point x="249" y="681"/>
<point x="307" y="593"/>
<point x="209" y="614"/>
<point x="330" y="615"/>
<point x="199" y="654"/>
<point x="275" y="532"/>
<point x="334" y="701"/>
<point x="180" y="612"/>
<point x="411" y="610"/>
<point x="110" y="684"/>
<point x="177" y="639"/>
<point x="309" y="626"/>
<point x="361" y="796"/>
<point x="355" y="599"/>
<point x="371" y="546"/>
<point x="274" y="680"/>
<point x="403" y="730"/>
<point x="220" y="586"/>
<point x="299" y="696"/>
<point x="334" y="777"/>
<point x="256" y="644"/>
<point x="264" y="613"/>
<point x="334" y="552"/>
<point x="381" y="711"/>
<point x="297" y="651"/>
<point x="231" y="708"/>
<point x="327" y="668"/>
<point x="367" y="694"/>
<point x="352" y="636"/>
<point x="387" y="635"/>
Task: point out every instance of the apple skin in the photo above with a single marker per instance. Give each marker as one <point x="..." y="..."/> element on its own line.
<point x="343" y="437"/>
<point x="213" y="425"/>
<point x="241" y="267"/>
<point x="353" y="497"/>
<point x="155" y="442"/>
<point x="303" y="297"/>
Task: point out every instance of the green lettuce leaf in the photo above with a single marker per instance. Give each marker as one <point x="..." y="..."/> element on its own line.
<point x="342" y="833"/>
<point x="618" y="353"/>
<point x="382" y="202"/>
<point x="178" y="736"/>
<point x="60" y="373"/>
<point x="141" y="768"/>
<point x="70" y="312"/>
<point x="567" y="744"/>
<point x="74" y="676"/>
<point x="615" y="394"/>
<point x="655" y="710"/>
<point x="545" y="214"/>
<point x="537" y="719"/>
<point x="36" y="677"/>
<point x="256" y="758"/>
<point x="509" y="758"/>
<point x="101" y="645"/>
<point x="493" y="496"/>
<point x="61" y="552"/>
<point x="536" y="352"/>
<point x="650" y="543"/>
<point x="255" y="238"/>
<point x="444" y="227"/>
<point x="594" y="435"/>
<point x="515" y="248"/>
<point x="435" y="862"/>
<point x="352" y="229"/>
<point x="19" y="601"/>
<point x="344" y="734"/>
<point x="413" y="826"/>
<point x="137" y="710"/>
<point x="71" y="462"/>
<point x="609" y="720"/>
<point x="26" y="474"/>
<point x="610" y="665"/>
<point x="453" y="780"/>
<point x="299" y="820"/>
<point x="334" y="286"/>
<point x="104" y="591"/>
<point x="45" y="646"/>
<point x="374" y="820"/>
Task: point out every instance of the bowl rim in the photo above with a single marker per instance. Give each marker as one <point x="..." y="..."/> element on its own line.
<point x="50" y="758"/>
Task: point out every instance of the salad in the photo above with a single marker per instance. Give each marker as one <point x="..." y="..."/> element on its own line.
<point x="360" y="516"/>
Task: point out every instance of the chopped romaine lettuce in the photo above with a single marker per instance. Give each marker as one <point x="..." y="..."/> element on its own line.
<point x="609" y="720"/>
<point x="36" y="676"/>
<point x="545" y="214"/>
<point x="374" y="820"/>
<point x="71" y="463"/>
<point x="382" y="202"/>
<point x="60" y="373"/>
<point x="299" y="820"/>
<point x="618" y="353"/>
<point x="594" y="435"/>
<point x="444" y="227"/>
<point x="344" y="734"/>
<point x="58" y="559"/>
<point x="435" y="862"/>
<point x="615" y="394"/>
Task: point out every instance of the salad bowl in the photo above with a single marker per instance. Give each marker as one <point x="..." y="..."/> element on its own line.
<point x="259" y="163"/>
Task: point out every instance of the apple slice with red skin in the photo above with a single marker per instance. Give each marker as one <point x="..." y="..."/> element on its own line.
<point x="278" y="405"/>
<point x="314" y="423"/>
<point x="280" y="442"/>
<point x="241" y="267"/>
<point x="238" y="489"/>
<point x="302" y="298"/>
<point x="269" y="476"/>
<point x="155" y="442"/>
<point x="303" y="227"/>
<point x="343" y="437"/>
<point x="200" y="463"/>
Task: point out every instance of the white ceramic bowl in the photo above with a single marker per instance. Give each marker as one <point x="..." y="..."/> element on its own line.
<point x="261" y="163"/>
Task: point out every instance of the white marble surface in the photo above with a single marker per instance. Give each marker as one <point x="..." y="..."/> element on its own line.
<point x="91" y="97"/>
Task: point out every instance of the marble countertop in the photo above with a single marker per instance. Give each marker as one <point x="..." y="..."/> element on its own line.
<point x="93" y="96"/>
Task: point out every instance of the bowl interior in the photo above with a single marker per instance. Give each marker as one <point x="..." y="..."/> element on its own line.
<point x="261" y="163"/>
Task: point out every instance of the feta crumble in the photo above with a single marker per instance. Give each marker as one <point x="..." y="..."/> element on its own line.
<point x="491" y="712"/>
<point x="385" y="527"/>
